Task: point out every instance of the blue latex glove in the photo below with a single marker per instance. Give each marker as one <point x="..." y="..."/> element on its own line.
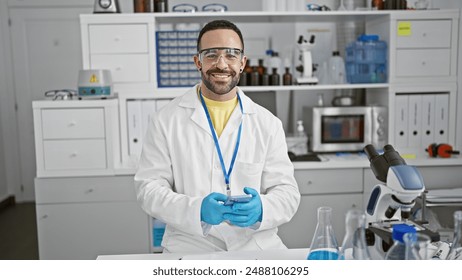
<point x="213" y="210"/>
<point x="247" y="213"/>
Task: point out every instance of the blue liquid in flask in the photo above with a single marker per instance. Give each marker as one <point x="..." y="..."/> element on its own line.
<point x="323" y="254"/>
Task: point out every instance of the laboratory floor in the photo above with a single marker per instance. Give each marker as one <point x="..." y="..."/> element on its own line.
<point x="18" y="232"/>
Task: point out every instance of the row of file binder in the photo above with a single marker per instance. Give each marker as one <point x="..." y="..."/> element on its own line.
<point x="421" y="119"/>
<point x="139" y="114"/>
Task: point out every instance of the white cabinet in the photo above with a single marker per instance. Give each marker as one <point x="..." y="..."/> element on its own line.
<point x="81" y="218"/>
<point x="77" y="137"/>
<point x="125" y="47"/>
<point x="341" y="189"/>
<point x="425" y="47"/>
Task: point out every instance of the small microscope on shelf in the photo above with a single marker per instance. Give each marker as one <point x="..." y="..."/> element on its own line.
<point x="306" y="68"/>
<point x="392" y="200"/>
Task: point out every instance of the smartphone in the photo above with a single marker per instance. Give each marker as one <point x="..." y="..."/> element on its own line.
<point x="238" y="198"/>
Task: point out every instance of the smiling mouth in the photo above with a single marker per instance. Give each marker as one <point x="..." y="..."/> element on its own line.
<point x="220" y="75"/>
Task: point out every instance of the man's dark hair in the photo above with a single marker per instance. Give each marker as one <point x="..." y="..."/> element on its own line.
<point x="219" y="24"/>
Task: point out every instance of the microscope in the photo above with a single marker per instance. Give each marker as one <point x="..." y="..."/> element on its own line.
<point x="392" y="200"/>
<point x="306" y="68"/>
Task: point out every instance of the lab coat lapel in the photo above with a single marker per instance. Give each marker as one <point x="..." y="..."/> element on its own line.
<point x="190" y="100"/>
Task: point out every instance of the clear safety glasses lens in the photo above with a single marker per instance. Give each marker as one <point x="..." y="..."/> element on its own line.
<point x="230" y="55"/>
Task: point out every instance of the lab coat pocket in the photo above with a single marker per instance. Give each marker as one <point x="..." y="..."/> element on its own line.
<point x="247" y="174"/>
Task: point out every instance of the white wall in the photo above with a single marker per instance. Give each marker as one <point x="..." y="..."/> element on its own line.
<point x="8" y="161"/>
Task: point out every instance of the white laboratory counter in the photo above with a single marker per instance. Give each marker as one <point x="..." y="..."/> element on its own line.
<point x="288" y="254"/>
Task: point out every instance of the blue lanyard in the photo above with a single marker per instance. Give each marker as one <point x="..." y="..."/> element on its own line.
<point x="217" y="145"/>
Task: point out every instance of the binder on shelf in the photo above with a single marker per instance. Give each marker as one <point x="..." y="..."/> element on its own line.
<point x="135" y="131"/>
<point x="428" y="120"/>
<point x="414" y="121"/>
<point x="148" y="108"/>
<point x="401" y="121"/>
<point x="441" y="118"/>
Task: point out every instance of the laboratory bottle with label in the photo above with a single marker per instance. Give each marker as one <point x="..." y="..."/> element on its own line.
<point x="337" y="68"/>
<point x="397" y="251"/>
<point x="324" y="245"/>
<point x="455" y="253"/>
<point x="354" y="246"/>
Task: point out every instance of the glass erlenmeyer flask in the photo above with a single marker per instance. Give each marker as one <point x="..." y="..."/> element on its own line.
<point x="324" y="245"/>
<point x="455" y="253"/>
<point x="354" y="246"/>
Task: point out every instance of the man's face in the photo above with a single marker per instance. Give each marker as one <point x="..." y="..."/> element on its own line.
<point x="220" y="60"/>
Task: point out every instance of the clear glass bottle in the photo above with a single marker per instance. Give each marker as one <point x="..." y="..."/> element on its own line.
<point x="397" y="251"/>
<point x="324" y="245"/>
<point x="416" y="246"/>
<point x="455" y="253"/>
<point x="354" y="246"/>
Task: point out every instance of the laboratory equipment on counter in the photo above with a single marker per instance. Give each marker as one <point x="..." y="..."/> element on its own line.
<point x="306" y="68"/>
<point x="63" y="94"/>
<point x="95" y="84"/>
<point x="354" y="246"/>
<point x="390" y="202"/>
<point x="455" y="253"/>
<point x="345" y="129"/>
<point x="398" y="250"/>
<point x="324" y="245"/>
<point x="297" y="143"/>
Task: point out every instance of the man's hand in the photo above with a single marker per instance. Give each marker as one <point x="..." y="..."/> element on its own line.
<point x="247" y="213"/>
<point x="213" y="210"/>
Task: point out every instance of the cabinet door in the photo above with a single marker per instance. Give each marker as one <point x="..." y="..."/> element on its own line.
<point x="46" y="55"/>
<point x="86" y="230"/>
<point x="300" y="230"/>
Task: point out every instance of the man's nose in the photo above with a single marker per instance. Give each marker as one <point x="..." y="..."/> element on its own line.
<point x="221" y="62"/>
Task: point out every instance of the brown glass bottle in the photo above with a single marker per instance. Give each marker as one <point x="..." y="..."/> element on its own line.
<point x="265" y="79"/>
<point x="274" y="78"/>
<point x="255" y="77"/>
<point x="287" y="77"/>
<point x="377" y="4"/>
<point x="247" y="71"/>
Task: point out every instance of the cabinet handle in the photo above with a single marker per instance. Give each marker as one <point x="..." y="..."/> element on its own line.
<point x="116" y="39"/>
<point x="309" y="182"/>
<point x="45" y="216"/>
<point x="424" y="63"/>
<point x="89" y="191"/>
<point x="118" y="68"/>
<point x="73" y="155"/>
<point x="71" y="124"/>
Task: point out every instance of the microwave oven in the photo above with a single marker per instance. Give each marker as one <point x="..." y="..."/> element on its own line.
<point x="347" y="129"/>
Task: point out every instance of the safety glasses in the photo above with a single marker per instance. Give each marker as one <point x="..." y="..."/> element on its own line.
<point x="212" y="55"/>
<point x="190" y="8"/>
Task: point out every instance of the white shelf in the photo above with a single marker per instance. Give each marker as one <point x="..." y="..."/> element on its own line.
<point x="311" y="87"/>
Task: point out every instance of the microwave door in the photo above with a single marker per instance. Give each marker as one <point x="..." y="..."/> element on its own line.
<point x="341" y="129"/>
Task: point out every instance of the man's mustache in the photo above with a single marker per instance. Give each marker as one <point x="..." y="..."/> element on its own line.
<point x="218" y="71"/>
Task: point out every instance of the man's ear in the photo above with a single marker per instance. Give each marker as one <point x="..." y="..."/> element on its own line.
<point x="243" y="62"/>
<point x="198" y="63"/>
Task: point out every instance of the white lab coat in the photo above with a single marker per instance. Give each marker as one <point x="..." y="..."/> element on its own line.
<point x="179" y="166"/>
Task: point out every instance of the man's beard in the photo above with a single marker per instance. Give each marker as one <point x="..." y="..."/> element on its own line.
<point x="220" y="88"/>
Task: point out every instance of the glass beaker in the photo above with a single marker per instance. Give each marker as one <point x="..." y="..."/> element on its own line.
<point x="416" y="246"/>
<point x="455" y="253"/>
<point x="324" y="245"/>
<point x="354" y="246"/>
